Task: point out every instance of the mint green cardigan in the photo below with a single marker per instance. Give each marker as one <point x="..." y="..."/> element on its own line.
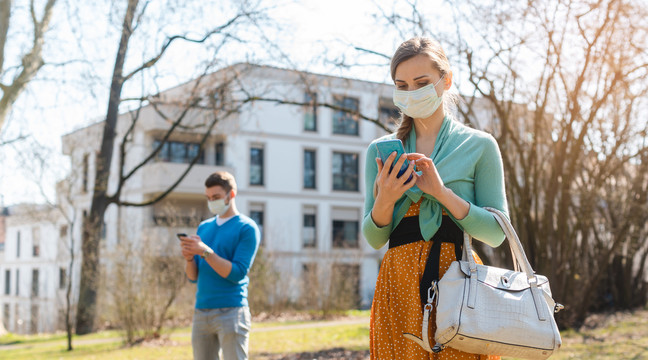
<point x="469" y="163"/>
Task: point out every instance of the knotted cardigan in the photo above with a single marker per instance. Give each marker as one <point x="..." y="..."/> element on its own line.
<point x="469" y="163"/>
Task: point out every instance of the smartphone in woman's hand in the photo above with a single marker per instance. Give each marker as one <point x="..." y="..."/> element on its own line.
<point x="386" y="147"/>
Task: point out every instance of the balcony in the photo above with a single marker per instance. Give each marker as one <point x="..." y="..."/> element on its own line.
<point x="158" y="177"/>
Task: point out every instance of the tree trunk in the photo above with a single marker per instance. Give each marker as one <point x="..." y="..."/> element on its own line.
<point x="86" y="312"/>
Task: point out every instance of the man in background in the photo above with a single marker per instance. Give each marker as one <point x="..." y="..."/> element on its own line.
<point x="219" y="258"/>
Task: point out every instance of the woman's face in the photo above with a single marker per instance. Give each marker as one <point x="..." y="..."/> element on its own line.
<point x="416" y="72"/>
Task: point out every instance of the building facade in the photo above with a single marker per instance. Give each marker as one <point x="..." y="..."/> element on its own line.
<point x="35" y="269"/>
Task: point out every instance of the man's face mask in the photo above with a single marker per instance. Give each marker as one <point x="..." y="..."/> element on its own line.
<point x="218" y="207"/>
<point x="420" y="103"/>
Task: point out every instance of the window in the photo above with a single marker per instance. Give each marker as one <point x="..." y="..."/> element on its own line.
<point x="220" y="153"/>
<point x="345" y="234"/>
<point x="345" y="281"/>
<point x="345" y="171"/>
<point x="17" y="244"/>
<point x="345" y="227"/>
<point x="309" y="169"/>
<point x="7" y="282"/>
<point x="388" y="115"/>
<point x="63" y="231"/>
<point x="34" y="288"/>
<point x="257" y="214"/>
<point x="62" y="278"/>
<point x="309" y="229"/>
<point x="17" y="282"/>
<point x="34" y="319"/>
<point x="310" y="285"/>
<point x="310" y="111"/>
<point x="86" y="170"/>
<point x="256" y="165"/>
<point x="344" y="122"/>
<point x="5" y="316"/>
<point x="84" y="226"/>
<point x="179" y="152"/>
<point x="35" y="242"/>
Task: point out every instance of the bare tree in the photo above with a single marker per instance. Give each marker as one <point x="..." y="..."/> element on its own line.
<point x="15" y="77"/>
<point x="179" y="112"/>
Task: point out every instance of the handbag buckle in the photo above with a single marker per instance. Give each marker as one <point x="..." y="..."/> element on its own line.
<point x="432" y="292"/>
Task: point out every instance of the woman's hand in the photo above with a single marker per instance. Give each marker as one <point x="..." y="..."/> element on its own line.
<point x="429" y="181"/>
<point x="389" y="187"/>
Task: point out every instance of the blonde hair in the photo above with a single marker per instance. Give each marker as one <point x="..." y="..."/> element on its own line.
<point x="433" y="50"/>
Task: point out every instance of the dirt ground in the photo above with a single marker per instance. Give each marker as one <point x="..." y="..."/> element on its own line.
<point x="329" y="354"/>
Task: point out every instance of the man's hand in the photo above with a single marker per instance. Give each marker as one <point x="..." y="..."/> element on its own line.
<point x="193" y="245"/>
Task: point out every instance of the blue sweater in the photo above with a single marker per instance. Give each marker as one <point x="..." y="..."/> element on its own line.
<point x="237" y="240"/>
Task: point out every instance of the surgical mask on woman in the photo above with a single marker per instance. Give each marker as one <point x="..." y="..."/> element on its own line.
<point x="218" y="207"/>
<point x="419" y="103"/>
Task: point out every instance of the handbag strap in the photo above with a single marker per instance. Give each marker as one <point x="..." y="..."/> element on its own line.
<point x="519" y="258"/>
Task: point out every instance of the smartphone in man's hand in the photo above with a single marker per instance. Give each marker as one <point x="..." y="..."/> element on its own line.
<point x="179" y="235"/>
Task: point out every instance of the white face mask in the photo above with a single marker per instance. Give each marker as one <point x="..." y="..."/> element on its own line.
<point x="218" y="207"/>
<point x="419" y="103"/>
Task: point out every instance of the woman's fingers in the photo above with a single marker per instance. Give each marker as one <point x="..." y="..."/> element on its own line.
<point x="407" y="177"/>
<point x="415" y="156"/>
<point x="424" y="163"/>
<point x="398" y="166"/>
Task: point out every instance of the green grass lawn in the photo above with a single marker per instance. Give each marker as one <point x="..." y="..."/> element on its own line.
<point x="625" y="337"/>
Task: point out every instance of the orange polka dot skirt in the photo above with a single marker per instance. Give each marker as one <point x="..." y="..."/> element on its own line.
<point x="397" y="308"/>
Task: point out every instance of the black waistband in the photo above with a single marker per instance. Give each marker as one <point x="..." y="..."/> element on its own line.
<point x="409" y="231"/>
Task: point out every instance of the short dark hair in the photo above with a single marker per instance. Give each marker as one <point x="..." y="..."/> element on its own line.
<point x="222" y="179"/>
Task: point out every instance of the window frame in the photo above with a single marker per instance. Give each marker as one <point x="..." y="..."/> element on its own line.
<point x="314" y="170"/>
<point x="310" y="109"/>
<point x="220" y="143"/>
<point x="344" y="173"/>
<point x="309" y="210"/>
<point x="35" y="283"/>
<point x="260" y="147"/>
<point x="167" y="155"/>
<point x="253" y="208"/>
<point x="344" y="117"/>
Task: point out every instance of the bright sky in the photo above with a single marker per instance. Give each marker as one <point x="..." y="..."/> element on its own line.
<point x="65" y="98"/>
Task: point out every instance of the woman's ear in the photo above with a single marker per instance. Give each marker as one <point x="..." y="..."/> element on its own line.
<point x="448" y="80"/>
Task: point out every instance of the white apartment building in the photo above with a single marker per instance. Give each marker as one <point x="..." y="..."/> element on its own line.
<point x="34" y="269"/>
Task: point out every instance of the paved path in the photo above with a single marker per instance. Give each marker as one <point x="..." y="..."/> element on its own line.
<point x="307" y="325"/>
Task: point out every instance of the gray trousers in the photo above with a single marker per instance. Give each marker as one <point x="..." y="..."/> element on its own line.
<point x="223" y="330"/>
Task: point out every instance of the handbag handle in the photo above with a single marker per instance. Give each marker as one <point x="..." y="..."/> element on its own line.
<point x="519" y="256"/>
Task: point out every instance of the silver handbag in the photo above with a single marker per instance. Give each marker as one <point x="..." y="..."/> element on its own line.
<point x="493" y="311"/>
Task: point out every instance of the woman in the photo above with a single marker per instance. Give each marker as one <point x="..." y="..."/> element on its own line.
<point x="459" y="173"/>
